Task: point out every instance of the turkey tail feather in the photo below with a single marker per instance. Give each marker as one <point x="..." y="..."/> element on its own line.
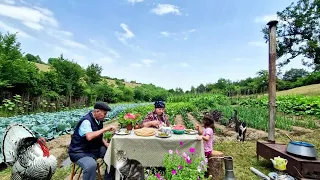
<point x="12" y="135"/>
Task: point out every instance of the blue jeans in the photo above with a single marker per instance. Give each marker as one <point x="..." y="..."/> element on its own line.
<point x="89" y="166"/>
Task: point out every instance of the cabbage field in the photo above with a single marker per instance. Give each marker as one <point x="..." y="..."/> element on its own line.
<point x="53" y="125"/>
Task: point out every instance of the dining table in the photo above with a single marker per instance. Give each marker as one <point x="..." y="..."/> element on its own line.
<point x="150" y="150"/>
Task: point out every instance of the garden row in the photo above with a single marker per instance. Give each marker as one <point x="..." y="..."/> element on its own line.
<point x="289" y="104"/>
<point x="255" y="116"/>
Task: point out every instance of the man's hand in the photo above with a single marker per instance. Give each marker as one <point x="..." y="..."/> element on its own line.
<point x="95" y="134"/>
<point x="108" y="128"/>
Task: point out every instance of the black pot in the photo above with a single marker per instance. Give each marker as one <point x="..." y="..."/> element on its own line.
<point x="302" y="149"/>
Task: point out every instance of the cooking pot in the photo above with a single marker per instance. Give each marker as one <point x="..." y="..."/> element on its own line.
<point x="302" y="149"/>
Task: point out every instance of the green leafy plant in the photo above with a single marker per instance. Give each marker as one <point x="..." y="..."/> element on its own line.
<point x="182" y="165"/>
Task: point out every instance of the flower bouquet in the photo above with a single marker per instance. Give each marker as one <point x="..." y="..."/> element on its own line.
<point x="181" y="165"/>
<point x="129" y="120"/>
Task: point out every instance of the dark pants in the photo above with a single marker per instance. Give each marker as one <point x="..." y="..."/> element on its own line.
<point x="89" y="166"/>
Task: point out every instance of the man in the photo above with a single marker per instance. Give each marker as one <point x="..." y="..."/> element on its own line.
<point x="157" y="117"/>
<point x="88" y="144"/>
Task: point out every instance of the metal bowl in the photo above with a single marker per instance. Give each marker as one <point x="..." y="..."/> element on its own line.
<point x="302" y="149"/>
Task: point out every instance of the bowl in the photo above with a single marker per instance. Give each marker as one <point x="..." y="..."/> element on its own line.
<point x="175" y="131"/>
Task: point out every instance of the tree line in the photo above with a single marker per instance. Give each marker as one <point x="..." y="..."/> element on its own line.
<point x="24" y="87"/>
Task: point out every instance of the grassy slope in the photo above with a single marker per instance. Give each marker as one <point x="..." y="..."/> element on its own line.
<point x="44" y="67"/>
<point x="310" y="90"/>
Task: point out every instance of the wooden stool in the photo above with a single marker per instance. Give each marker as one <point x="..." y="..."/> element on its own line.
<point x="215" y="165"/>
<point x="74" y="170"/>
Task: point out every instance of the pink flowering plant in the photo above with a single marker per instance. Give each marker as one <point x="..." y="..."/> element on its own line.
<point x="182" y="165"/>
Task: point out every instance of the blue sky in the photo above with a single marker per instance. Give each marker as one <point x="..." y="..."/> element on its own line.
<point x="168" y="43"/>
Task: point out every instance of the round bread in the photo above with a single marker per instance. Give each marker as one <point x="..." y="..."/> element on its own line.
<point x="145" y="132"/>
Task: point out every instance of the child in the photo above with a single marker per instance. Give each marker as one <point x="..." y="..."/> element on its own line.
<point x="207" y="134"/>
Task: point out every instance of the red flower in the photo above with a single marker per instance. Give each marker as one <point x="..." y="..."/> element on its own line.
<point x="129" y="116"/>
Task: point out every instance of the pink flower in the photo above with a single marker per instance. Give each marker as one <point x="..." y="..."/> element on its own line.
<point x="188" y="161"/>
<point x="192" y="150"/>
<point x="185" y="155"/>
<point x="181" y="143"/>
<point x="173" y="172"/>
<point x="177" y="151"/>
<point x="179" y="167"/>
<point x="158" y="175"/>
<point x="206" y="160"/>
<point x="170" y="151"/>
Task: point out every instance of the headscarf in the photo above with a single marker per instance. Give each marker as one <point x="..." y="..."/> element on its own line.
<point x="159" y="104"/>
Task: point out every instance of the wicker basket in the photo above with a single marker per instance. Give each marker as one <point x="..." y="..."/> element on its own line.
<point x="215" y="165"/>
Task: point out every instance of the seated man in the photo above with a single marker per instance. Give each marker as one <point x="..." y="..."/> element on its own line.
<point x="87" y="143"/>
<point x="157" y="118"/>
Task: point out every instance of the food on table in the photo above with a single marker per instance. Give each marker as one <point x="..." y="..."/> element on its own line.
<point x="162" y="134"/>
<point x="179" y="127"/>
<point x="145" y="132"/>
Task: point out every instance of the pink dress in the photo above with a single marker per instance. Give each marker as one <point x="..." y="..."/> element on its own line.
<point x="208" y="145"/>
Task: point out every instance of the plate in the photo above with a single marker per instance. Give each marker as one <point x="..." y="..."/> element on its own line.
<point x="274" y="176"/>
<point x="122" y="133"/>
<point x="157" y="135"/>
<point x="193" y="132"/>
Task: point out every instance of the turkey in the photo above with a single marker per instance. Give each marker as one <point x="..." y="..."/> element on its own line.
<point x="29" y="156"/>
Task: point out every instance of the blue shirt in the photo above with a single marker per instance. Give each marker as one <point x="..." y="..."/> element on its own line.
<point x="85" y="127"/>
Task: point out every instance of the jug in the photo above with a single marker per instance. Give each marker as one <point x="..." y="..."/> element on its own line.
<point x="279" y="163"/>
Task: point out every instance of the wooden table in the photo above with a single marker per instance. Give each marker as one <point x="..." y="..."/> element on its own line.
<point x="308" y="168"/>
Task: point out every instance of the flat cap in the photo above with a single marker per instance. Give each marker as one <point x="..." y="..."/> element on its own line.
<point x="102" y="106"/>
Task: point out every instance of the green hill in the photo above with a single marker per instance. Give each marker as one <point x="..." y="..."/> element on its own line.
<point x="44" y="67"/>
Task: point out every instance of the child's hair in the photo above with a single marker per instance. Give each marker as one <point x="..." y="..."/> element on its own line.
<point x="208" y="121"/>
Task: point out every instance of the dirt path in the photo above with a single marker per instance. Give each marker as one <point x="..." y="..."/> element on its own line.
<point x="193" y="119"/>
<point x="178" y="120"/>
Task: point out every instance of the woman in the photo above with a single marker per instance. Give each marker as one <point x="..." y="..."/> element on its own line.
<point x="157" y="118"/>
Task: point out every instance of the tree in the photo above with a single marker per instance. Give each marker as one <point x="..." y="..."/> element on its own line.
<point x="93" y="72"/>
<point x="293" y="74"/>
<point x="298" y="33"/>
<point x="33" y="58"/>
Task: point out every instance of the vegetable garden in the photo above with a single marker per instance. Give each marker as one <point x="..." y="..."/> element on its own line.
<point x="292" y="111"/>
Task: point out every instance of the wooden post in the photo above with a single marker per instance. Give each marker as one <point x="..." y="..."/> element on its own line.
<point x="272" y="79"/>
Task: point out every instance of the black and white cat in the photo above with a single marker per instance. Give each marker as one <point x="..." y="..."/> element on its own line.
<point x="242" y="131"/>
<point x="129" y="169"/>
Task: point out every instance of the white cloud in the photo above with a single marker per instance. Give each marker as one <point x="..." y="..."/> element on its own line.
<point x="135" y="1"/>
<point x="147" y="62"/>
<point x="102" y="45"/>
<point x="33" y="25"/>
<point x="122" y="37"/>
<point x="59" y="34"/>
<point x="19" y="32"/>
<point x="28" y="15"/>
<point x="163" y="9"/>
<point x="266" y="18"/>
<point x="192" y="30"/>
<point x="183" y="64"/>
<point x="166" y="33"/>
<point x="136" y="65"/>
<point x="73" y="44"/>
<point x="105" y="60"/>
<point x="8" y="1"/>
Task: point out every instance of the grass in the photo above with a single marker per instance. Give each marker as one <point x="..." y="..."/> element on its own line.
<point x="244" y="154"/>
<point x="310" y="90"/>
<point x="43" y="67"/>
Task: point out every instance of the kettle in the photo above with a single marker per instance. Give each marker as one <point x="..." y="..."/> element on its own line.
<point x="279" y="163"/>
